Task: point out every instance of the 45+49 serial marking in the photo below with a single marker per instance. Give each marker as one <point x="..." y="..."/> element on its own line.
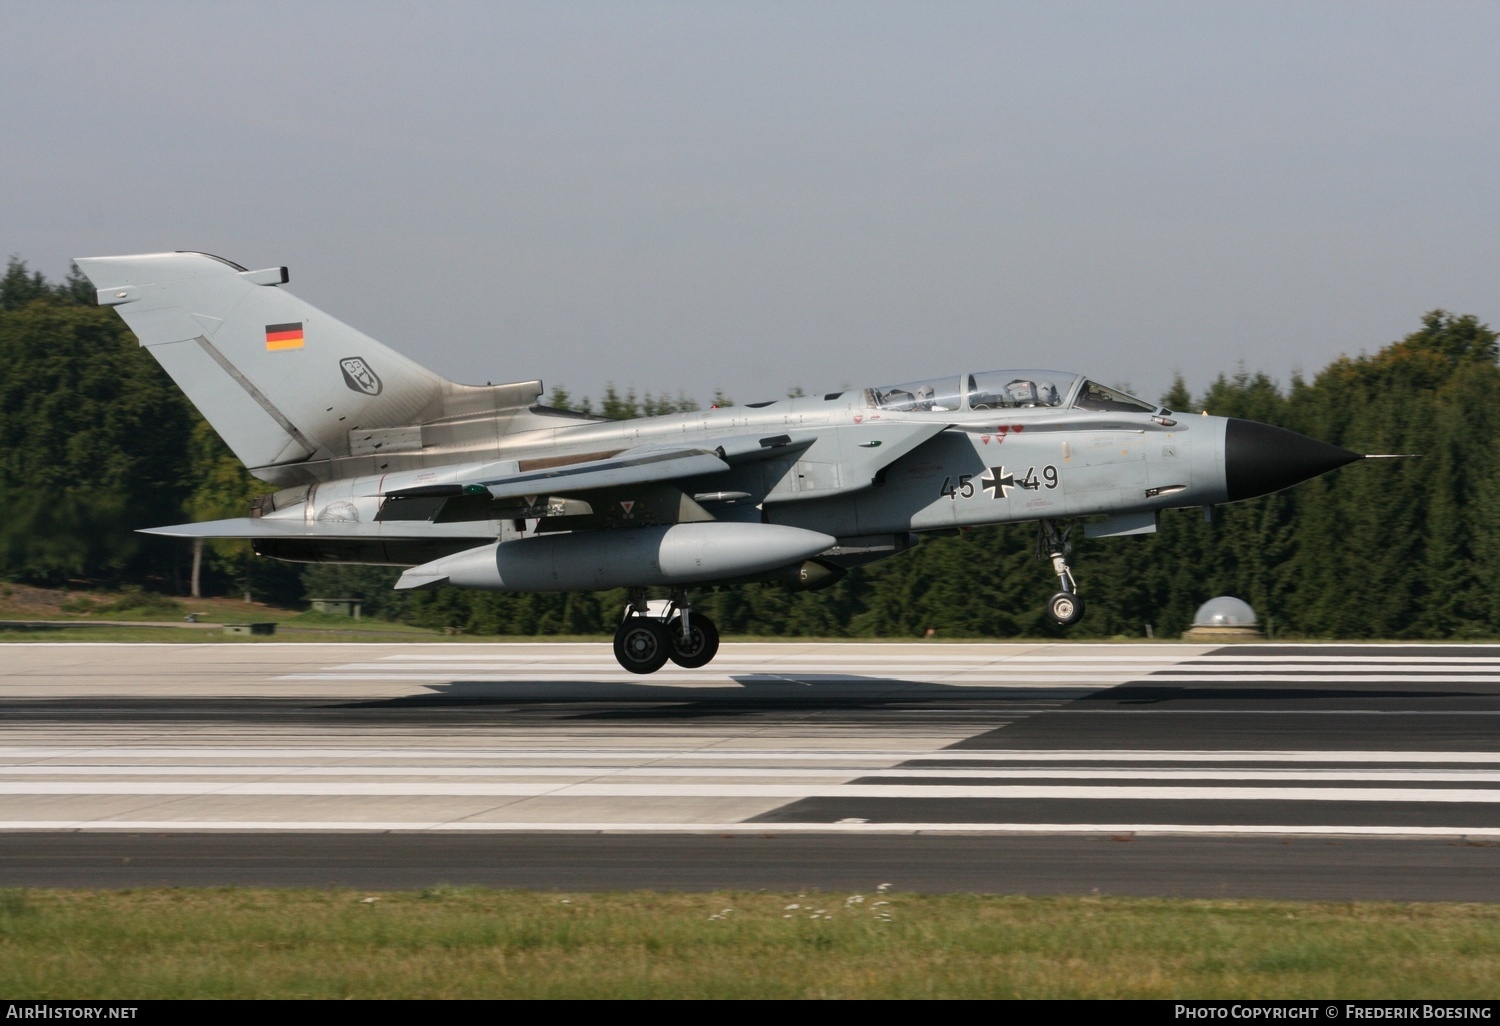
<point x="997" y="482"/>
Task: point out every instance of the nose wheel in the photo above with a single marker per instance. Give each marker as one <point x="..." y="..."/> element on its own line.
<point x="652" y="633"/>
<point x="1066" y="607"/>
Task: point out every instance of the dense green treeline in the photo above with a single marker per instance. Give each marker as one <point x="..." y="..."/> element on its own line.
<point x="90" y="437"/>
<point x="95" y="441"/>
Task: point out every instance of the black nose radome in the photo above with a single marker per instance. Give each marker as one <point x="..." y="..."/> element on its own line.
<point x="1260" y="459"/>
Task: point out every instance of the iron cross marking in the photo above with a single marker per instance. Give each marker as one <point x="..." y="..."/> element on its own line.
<point x="997" y="482"/>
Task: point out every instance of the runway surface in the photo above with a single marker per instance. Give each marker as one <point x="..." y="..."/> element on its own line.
<point x="1300" y="770"/>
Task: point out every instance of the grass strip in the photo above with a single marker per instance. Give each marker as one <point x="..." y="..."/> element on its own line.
<point x="480" y="943"/>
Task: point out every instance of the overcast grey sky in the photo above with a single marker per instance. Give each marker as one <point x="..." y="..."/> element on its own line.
<point x="695" y="195"/>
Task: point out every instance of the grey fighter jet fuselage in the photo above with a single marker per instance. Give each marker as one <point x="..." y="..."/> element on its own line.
<point x="377" y="460"/>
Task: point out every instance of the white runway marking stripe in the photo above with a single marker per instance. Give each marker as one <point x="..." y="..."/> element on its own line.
<point x="1356" y="671"/>
<point x="759" y="673"/>
<point x="721" y="667"/>
<point x="470" y="826"/>
<point x="1051" y="681"/>
<point x="665" y="682"/>
<point x="900" y="772"/>
<point x="1352" y="663"/>
<point x="1457" y="656"/>
<point x="789" y="792"/>
<point x="930" y="657"/>
<point x="873" y="657"/>
<point x="1400" y="677"/>
<point x="720" y="754"/>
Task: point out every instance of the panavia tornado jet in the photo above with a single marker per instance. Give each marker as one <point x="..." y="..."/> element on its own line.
<point x="375" y="459"/>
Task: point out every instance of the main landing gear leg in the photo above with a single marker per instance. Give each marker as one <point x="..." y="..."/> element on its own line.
<point x="695" y="639"/>
<point x="1066" y="607"/>
<point x="645" y="640"/>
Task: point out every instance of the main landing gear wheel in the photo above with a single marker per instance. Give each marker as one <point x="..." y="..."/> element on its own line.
<point x="1065" y="609"/>
<point x="642" y="644"/>
<point x="701" y="644"/>
<point x="650" y="633"/>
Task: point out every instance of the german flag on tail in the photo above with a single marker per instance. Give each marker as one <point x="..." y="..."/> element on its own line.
<point x="283" y="336"/>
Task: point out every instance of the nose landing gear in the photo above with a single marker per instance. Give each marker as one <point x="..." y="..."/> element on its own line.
<point x="651" y="633"/>
<point x="1066" y="607"/>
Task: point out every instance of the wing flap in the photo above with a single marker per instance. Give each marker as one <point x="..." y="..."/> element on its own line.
<point x="643" y="465"/>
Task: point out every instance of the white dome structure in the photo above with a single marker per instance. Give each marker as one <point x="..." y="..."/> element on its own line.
<point x="1225" y="611"/>
<point x="1225" y="618"/>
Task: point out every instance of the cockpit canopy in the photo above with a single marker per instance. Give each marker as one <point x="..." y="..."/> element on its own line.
<point x="1005" y="390"/>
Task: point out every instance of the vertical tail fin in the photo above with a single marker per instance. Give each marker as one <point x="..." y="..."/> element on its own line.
<point x="279" y="380"/>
